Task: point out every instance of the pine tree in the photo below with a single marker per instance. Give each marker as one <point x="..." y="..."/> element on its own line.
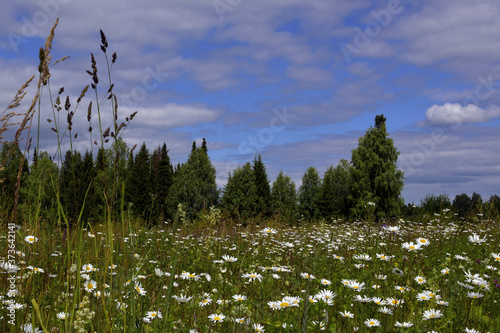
<point x="309" y="194"/>
<point x="263" y="187"/>
<point x="375" y="176"/>
<point x="240" y="192"/>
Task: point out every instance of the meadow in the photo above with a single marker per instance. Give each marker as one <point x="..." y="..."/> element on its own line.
<point x="219" y="276"/>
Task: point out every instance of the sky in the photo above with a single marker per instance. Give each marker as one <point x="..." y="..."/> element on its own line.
<point x="295" y="81"/>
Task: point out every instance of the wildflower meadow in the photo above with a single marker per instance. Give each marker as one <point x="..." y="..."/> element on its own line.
<point x="215" y="271"/>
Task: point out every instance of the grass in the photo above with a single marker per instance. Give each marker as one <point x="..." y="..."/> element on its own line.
<point x="203" y="268"/>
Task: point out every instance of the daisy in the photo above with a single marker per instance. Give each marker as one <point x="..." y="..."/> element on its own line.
<point x="356" y="285"/>
<point x="364" y="299"/>
<point x="471" y="330"/>
<point x="239" y="298"/>
<point x="217" y="318"/>
<point x="474" y="295"/>
<point x="253" y="276"/>
<point x="432" y="314"/>
<point x="154" y="314"/>
<point x="496" y="256"/>
<point x="274" y="305"/>
<point x="404" y="324"/>
<point x="307" y="276"/>
<point x="229" y="258"/>
<point x="269" y="231"/>
<point x="325" y="295"/>
<point x="410" y="246"/>
<point x="347" y="314"/>
<point x="445" y="271"/>
<point x="394" y="301"/>
<point x="476" y="240"/>
<point x="87" y="268"/>
<point x="384" y="257"/>
<point x="326" y="282"/>
<point x="423" y="241"/>
<point x="258" y="328"/>
<point x="420" y="279"/>
<point x="138" y="287"/>
<point x="31" y="239"/>
<point x="205" y="301"/>
<point x="372" y="322"/>
<point x="62" y="315"/>
<point x="385" y="310"/>
<point x="182" y="298"/>
<point x="36" y="269"/>
<point x="90" y="285"/>
<point x="379" y="301"/>
<point x="401" y="289"/>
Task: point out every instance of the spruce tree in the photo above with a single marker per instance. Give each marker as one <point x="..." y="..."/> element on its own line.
<point x="240" y="193"/>
<point x="139" y="187"/>
<point x="162" y="179"/>
<point x="375" y="176"/>
<point x="263" y="187"/>
<point x="309" y="194"/>
<point x="194" y="185"/>
<point x="335" y="190"/>
<point x="284" y="197"/>
<point x="204" y="146"/>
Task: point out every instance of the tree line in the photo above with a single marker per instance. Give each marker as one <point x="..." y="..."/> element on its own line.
<point x="148" y="186"/>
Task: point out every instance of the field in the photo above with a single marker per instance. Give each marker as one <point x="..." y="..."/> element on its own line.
<point x="220" y="276"/>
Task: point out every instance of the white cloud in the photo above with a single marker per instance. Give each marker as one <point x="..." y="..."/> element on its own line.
<point x="175" y="115"/>
<point x="451" y="114"/>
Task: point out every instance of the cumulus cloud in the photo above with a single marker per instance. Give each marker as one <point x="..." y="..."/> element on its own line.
<point x="451" y="114"/>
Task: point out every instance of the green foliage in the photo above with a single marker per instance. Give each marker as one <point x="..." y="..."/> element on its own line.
<point x="434" y="204"/>
<point x="38" y="190"/>
<point x="309" y="194"/>
<point x="263" y="187"/>
<point x="194" y="185"/>
<point x="334" y="190"/>
<point x="375" y="176"/>
<point x="10" y="160"/>
<point x="162" y="177"/>
<point x="139" y="189"/>
<point x="284" y="198"/>
<point x="462" y="204"/>
<point x="240" y="192"/>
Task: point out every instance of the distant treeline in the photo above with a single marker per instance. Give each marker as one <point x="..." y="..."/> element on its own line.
<point x="146" y="185"/>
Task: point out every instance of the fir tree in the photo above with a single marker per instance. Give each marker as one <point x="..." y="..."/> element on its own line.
<point x="284" y="197"/>
<point x="374" y="172"/>
<point x="309" y="194"/>
<point x="240" y="192"/>
<point x="194" y="185"/>
<point x="335" y="190"/>
<point x="139" y="187"/>
<point x="204" y="146"/>
<point x="263" y="187"/>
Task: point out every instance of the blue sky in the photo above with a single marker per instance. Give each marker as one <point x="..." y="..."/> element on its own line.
<point x="295" y="81"/>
